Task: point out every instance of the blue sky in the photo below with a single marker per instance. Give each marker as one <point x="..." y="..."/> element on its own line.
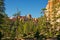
<point x="32" y="7"/>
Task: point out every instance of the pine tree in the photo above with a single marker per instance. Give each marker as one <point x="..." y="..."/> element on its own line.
<point x="2" y="10"/>
<point x="2" y="7"/>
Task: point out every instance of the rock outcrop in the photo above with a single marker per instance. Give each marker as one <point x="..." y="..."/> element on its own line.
<point x="53" y="12"/>
<point x="53" y="9"/>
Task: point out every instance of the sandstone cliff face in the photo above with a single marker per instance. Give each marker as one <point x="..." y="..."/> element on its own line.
<point x="53" y="9"/>
<point x="53" y="13"/>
